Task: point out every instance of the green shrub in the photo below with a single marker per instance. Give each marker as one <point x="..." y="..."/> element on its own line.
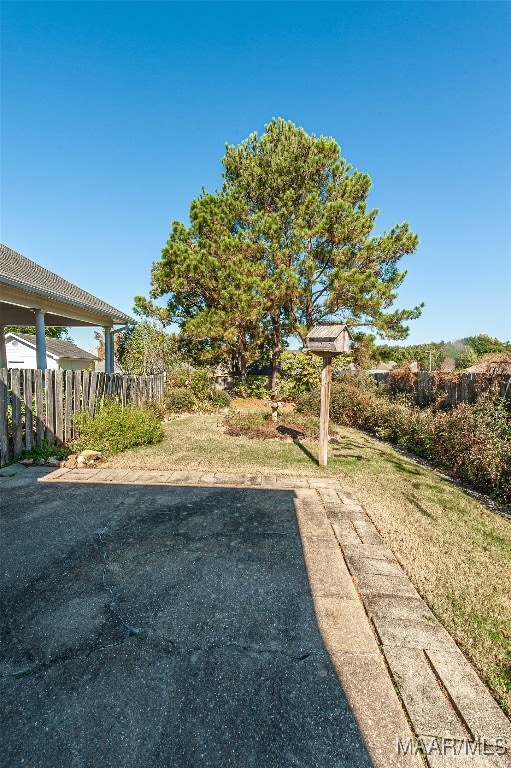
<point x="195" y="398"/>
<point x="256" y="387"/>
<point x="219" y="398"/>
<point x="44" y="451"/>
<point x="114" y="429"/>
<point x="201" y="384"/>
<point x="299" y="372"/>
<point x="309" y="402"/>
<point x="472" y="442"/>
<point x="179" y="400"/>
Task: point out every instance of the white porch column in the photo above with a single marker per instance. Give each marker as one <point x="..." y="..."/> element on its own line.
<point x="40" y="339"/>
<point x="3" y="352"/>
<point x="109" y="350"/>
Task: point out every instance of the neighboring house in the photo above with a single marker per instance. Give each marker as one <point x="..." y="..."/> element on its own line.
<point x="387" y="367"/>
<point x="99" y="366"/>
<point x="495" y="363"/>
<point x="21" y="353"/>
<point x="382" y="367"/>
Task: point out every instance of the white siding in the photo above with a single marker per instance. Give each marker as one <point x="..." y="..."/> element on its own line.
<point x="20" y="355"/>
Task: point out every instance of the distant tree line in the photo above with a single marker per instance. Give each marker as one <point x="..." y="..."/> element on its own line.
<point x="464" y="352"/>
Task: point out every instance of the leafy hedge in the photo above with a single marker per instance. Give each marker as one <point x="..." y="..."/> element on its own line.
<point x="113" y="429"/>
<point x="471" y="442"/>
<point x="254" y="387"/>
<point x="192" y="390"/>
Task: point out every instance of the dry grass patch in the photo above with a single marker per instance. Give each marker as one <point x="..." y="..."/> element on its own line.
<point x="456" y="551"/>
<point x="290" y="426"/>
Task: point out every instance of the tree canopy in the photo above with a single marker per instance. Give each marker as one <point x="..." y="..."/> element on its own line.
<point x="461" y="353"/>
<point x="287" y="242"/>
<point x="50" y="332"/>
<point x="145" y="348"/>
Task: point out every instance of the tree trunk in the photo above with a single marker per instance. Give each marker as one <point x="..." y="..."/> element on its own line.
<point x="242" y="352"/>
<point x="243" y="366"/>
<point x="275" y="354"/>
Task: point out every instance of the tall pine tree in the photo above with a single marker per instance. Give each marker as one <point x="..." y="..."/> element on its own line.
<point x="286" y="243"/>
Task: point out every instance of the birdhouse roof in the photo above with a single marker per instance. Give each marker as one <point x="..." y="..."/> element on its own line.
<point x="328" y="331"/>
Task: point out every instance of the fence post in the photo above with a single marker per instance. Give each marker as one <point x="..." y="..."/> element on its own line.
<point x="49" y="392"/>
<point x="16" y="412"/>
<point x="29" y="413"/>
<point x="39" y="408"/>
<point x="92" y="393"/>
<point x="68" y="404"/>
<point x="4" y="434"/>
<point x="59" y="406"/>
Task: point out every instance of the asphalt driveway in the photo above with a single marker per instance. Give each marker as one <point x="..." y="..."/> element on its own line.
<point x="163" y="626"/>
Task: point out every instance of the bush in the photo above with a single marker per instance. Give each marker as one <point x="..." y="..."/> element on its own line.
<point x="179" y="400"/>
<point x="114" y="429"/>
<point x="309" y="402"/>
<point x="299" y="372"/>
<point x="44" y="451"/>
<point x="472" y="442"/>
<point x="201" y="385"/>
<point x="190" y="399"/>
<point x="219" y="398"/>
<point x="256" y="387"/>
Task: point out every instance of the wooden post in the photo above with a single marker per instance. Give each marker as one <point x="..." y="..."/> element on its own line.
<point x="16" y="412"/>
<point x="326" y="378"/>
<point x="4" y="421"/>
<point x="29" y="415"/>
<point x="59" y="406"/>
<point x="68" y="405"/>
<point x="39" y="409"/>
<point x="49" y="391"/>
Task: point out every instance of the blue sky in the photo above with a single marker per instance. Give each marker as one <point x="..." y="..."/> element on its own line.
<point x="115" y="115"/>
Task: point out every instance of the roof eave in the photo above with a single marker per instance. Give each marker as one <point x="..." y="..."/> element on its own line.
<point x="95" y="317"/>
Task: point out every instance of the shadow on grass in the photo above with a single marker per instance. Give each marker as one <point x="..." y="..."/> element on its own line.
<point x="296" y="434"/>
<point x="306" y="452"/>
<point x="418" y="506"/>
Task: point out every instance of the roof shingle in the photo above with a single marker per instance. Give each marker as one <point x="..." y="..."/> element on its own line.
<point x="17" y="270"/>
<point x="58" y="347"/>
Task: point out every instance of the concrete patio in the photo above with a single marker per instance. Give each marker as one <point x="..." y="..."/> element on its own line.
<point x="199" y="619"/>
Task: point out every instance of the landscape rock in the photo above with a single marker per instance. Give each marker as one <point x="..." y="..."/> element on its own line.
<point x="41" y="463"/>
<point x="90" y="455"/>
<point x="26" y="462"/>
<point x="81" y="460"/>
<point x="70" y="462"/>
<point x="52" y="461"/>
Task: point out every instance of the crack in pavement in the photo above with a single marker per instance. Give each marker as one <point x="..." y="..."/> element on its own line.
<point x="129" y="627"/>
<point x="166" y="646"/>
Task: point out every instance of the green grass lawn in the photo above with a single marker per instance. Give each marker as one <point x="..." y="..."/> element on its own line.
<point x="455" y="550"/>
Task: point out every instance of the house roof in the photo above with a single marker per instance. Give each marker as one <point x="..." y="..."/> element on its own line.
<point x="492" y="363"/>
<point x="57" y="348"/>
<point x="18" y="272"/>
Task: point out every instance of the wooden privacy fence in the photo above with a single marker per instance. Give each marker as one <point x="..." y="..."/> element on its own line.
<point x="453" y="388"/>
<point x="37" y="406"/>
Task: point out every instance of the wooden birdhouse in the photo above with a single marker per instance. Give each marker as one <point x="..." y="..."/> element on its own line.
<point x="328" y="340"/>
